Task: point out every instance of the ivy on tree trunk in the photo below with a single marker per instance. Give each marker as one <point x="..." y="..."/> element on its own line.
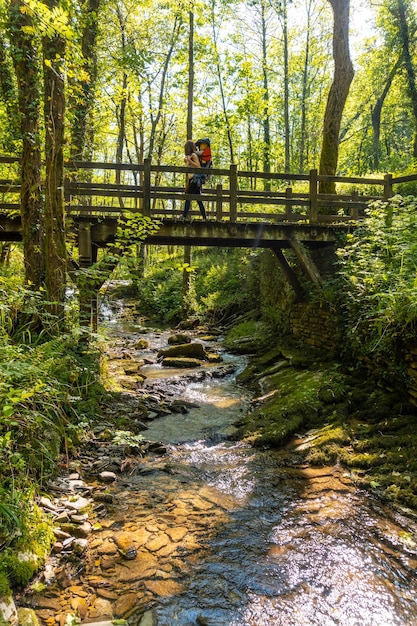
<point x="54" y="112"/>
<point x="27" y="69"/>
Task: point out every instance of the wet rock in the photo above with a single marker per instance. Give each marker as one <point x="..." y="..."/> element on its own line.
<point x="77" y="505"/>
<point x="149" y="619"/>
<point x="80" y="606"/>
<point x="177" y="533"/>
<point x="107" y="562"/>
<point x="125" y="604"/>
<point x="125" y="546"/>
<point x="78" y="530"/>
<point x="181" y="362"/>
<point x="214" y="357"/>
<point x="107" y="594"/>
<point x="107" y="547"/>
<point x="8" y="613"/>
<point x="43" y="602"/>
<point x="57" y="547"/>
<point x="158" y="542"/>
<point x="178" y="339"/>
<point x="102" y="608"/>
<point x="60" y="534"/>
<point x="46" y="503"/>
<point x="157" y="448"/>
<point x="27" y="617"/>
<point x="107" y="477"/>
<point x="164" y="588"/>
<point x="143" y="567"/>
<point x="79" y="546"/>
<point x="79" y="519"/>
<point x="186" y="350"/>
<point x="189" y="324"/>
<point x="104" y="497"/>
<point x="141" y="344"/>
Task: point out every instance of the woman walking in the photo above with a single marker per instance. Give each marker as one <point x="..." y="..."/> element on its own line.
<point x="193" y="183"/>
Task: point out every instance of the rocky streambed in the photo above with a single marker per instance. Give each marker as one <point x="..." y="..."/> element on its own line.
<point x="167" y="518"/>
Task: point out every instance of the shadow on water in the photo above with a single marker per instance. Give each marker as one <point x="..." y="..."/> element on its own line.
<point x="292" y="545"/>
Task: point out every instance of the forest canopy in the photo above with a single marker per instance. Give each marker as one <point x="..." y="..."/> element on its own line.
<point x="262" y="74"/>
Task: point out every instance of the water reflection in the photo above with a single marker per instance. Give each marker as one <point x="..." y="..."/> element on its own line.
<point x="298" y="546"/>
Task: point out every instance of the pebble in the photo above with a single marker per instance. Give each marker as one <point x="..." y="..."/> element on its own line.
<point x="107" y="477"/>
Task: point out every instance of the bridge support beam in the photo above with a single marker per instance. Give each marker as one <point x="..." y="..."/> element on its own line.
<point x="87" y="255"/>
<point x="289" y="272"/>
<point x="307" y="264"/>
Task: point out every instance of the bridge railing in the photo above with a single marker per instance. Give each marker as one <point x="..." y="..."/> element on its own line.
<point x="98" y="188"/>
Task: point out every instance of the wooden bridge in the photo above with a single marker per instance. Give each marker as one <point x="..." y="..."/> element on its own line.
<point x="244" y="209"/>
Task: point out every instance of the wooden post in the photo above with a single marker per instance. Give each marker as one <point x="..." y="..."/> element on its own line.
<point x="354" y="212"/>
<point x="313" y="196"/>
<point x="388" y="193"/>
<point x="289" y="272"/>
<point x="233" y="192"/>
<point x="85" y="260"/>
<point x="147" y="187"/>
<point x="288" y="205"/>
<point x="85" y="250"/>
<point x="306" y="262"/>
<point x="219" y="202"/>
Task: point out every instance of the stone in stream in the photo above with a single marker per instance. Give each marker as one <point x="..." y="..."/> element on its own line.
<point x="107" y="477"/>
<point x="27" y="617"/>
<point x="178" y="339"/>
<point x="188" y="350"/>
<point x="181" y="362"/>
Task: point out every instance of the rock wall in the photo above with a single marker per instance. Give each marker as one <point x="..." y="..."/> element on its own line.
<point x="316" y="325"/>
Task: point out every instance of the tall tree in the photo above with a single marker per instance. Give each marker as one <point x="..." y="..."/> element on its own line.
<point x="26" y="63"/>
<point x="377" y="111"/>
<point x="54" y="46"/>
<point x="339" y="90"/>
<point x="83" y="83"/>
<point x="402" y="12"/>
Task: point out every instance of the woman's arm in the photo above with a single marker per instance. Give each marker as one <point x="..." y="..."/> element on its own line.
<point x="192" y="160"/>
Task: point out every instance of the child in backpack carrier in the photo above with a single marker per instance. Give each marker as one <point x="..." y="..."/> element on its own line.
<point x="204" y="154"/>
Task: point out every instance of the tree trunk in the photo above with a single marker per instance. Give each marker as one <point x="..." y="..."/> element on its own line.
<point x="305" y="91"/>
<point x="82" y="102"/>
<point x="221" y="86"/>
<point x="27" y="70"/>
<point x="408" y="62"/>
<point x="287" y="163"/>
<point x="9" y="96"/>
<point x="339" y="90"/>
<point x="54" y="112"/>
<point x="376" y="114"/>
<point x="266" y="124"/>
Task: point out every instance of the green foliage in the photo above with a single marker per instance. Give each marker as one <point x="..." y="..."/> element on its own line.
<point x="379" y="278"/>
<point x="49" y="391"/>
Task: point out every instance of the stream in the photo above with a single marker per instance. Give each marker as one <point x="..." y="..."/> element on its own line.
<point x="223" y="534"/>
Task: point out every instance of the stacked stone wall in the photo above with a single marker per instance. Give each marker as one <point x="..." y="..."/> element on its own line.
<point x="316" y="325"/>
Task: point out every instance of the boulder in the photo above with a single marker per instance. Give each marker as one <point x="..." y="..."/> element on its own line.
<point x="178" y="339"/>
<point x="27" y="617"/>
<point x="181" y="362"/>
<point x="187" y="350"/>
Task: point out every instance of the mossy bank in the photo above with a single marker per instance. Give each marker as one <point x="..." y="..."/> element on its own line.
<point x="331" y="416"/>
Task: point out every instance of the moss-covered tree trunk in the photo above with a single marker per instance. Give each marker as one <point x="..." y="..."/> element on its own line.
<point x="339" y="90"/>
<point x="27" y="69"/>
<point x="54" y="112"/>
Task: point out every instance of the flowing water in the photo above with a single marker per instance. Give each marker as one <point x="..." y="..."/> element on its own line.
<point x="278" y="542"/>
